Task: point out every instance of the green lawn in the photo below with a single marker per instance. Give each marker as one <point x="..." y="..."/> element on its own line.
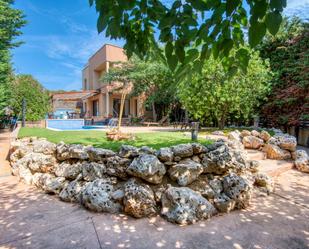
<point x="155" y="140"/>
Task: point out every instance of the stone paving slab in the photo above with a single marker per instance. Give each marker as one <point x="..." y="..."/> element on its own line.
<point x="31" y="219"/>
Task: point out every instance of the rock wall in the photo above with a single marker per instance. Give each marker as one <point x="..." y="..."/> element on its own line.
<point x="184" y="183"/>
<point x="279" y="147"/>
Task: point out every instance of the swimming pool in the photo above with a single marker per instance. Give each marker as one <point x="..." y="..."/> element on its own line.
<point x="70" y="125"/>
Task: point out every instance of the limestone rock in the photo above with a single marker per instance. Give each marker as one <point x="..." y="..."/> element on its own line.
<point x="265" y="136"/>
<point x="201" y="185"/>
<point x="184" y="206"/>
<point x="38" y="162"/>
<point x="139" y="200"/>
<point x="54" y="185"/>
<point x="224" y="204"/>
<point x="238" y="189"/>
<point x="253" y="166"/>
<point x="198" y="148"/>
<point x="255" y="133"/>
<point x="71" y="151"/>
<point x="20" y="152"/>
<point x="147" y="167"/>
<point x="185" y="172"/>
<point x="252" y="142"/>
<point x="25" y="175"/>
<point x="92" y="171"/>
<point x="245" y="133"/>
<point x="223" y="159"/>
<point x="287" y="142"/>
<point x="96" y="196"/>
<point x="72" y="191"/>
<point x="99" y="154"/>
<point x="128" y="151"/>
<point x="302" y="161"/>
<point x="235" y="135"/>
<point x="182" y="150"/>
<point x="44" y="147"/>
<point x="165" y="154"/>
<point x="146" y="150"/>
<point x="216" y="185"/>
<point x="263" y="180"/>
<point x="117" y="166"/>
<point x="68" y="171"/>
<point x="275" y="152"/>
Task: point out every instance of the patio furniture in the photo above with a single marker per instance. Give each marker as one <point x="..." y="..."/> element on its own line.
<point x="160" y="122"/>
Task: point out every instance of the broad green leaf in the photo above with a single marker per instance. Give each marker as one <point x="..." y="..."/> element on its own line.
<point x="172" y="62"/>
<point x="257" y="31"/>
<point x="273" y="21"/>
<point x="277" y="4"/>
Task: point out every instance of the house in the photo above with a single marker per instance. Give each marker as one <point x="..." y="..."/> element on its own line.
<point x="104" y="100"/>
<point x="68" y="104"/>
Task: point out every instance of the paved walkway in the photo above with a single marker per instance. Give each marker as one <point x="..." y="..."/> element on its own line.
<point x="32" y="219"/>
<point x="5" y="138"/>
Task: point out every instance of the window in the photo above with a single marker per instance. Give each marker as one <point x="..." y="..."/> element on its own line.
<point x="85" y="84"/>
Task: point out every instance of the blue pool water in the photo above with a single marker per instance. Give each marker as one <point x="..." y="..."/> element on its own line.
<point x="69" y="124"/>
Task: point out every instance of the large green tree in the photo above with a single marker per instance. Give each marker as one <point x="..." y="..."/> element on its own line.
<point x="288" y="54"/>
<point x="189" y="30"/>
<point x="11" y="20"/>
<point x="37" y="98"/>
<point x="152" y="78"/>
<point x="215" y="94"/>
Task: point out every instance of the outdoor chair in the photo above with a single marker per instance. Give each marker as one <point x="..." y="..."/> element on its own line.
<point x="159" y="123"/>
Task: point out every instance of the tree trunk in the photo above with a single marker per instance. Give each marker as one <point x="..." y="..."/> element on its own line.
<point x="154" y="114"/>
<point x="123" y="97"/>
<point x="221" y="122"/>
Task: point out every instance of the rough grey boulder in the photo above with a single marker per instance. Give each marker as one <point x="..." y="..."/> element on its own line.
<point x="182" y="150"/>
<point x="185" y="206"/>
<point x="165" y="154"/>
<point x="92" y="171"/>
<point x="117" y="166"/>
<point x="223" y="203"/>
<point x="96" y="196"/>
<point x="138" y="200"/>
<point x="252" y="142"/>
<point x="185" y="172"/>
<point x="146" y="150"/>
<point x="238" y="189"/>
<point x="223" y="159"/>
<point x="264" y="181"/>
<point x="99" y="154"/>
<point x="72" y="191"/>
<point x="273" y="151"/>
<point x="25" y="175"/>
<point x="302" y="161"/>
<point x="54" y="185"/>
<point x="38" y="162"/>
<point x="68" y="170"/>
<point x="44" y="147"/>
<point x="201" y="185"/>
<point x="284" y="141"/>
<point x="199" y="148"/>
<point x="49" y="183"/>
<point x="147" y="167"/>
<point x="71" y="151"/>
<point x="128" y="151"/>
<point x="216" y="185"/>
